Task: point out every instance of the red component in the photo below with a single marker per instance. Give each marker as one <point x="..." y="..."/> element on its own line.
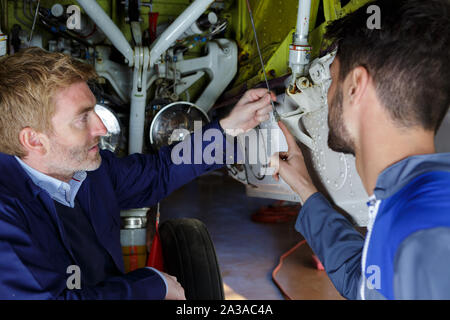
<point x="319" y="264"/>
<point x="152" y="23"/>
<point x="276" y="213"/>
<point x="155" y="256"/>
<point x="278" y="267"/>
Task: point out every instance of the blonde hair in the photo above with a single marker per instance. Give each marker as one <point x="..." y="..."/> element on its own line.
<point x="29" y="81"/>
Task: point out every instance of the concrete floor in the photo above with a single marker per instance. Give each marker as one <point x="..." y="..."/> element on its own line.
<point x="248" y="251"/>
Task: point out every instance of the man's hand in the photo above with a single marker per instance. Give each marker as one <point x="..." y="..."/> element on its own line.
<point x="252" y="109"/>
<point x="174" y="289"/>
<point x="291" y="167"/>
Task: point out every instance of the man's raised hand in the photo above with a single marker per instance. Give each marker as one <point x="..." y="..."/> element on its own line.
<point x="252" y="109"/>
<point x="291" y="167"/>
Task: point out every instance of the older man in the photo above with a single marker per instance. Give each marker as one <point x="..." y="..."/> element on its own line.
<point x="60" y="197"/>
<point x="390" y="91"/>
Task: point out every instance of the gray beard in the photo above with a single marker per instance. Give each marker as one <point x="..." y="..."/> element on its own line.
<point x="65" y="162"/>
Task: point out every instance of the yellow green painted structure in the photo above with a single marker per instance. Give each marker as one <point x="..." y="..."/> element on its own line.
<point x="275" y="22"/>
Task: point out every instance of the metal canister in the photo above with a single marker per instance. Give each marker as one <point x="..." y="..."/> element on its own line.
<point x="133" y="238"/>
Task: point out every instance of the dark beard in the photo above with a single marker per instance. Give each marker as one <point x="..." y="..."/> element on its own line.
<point x="339" y="139"/>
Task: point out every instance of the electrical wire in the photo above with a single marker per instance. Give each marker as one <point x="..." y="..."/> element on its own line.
<point x="218" y="29"/>
<point x="185" y="44"/>
<point x="64" y="34"/>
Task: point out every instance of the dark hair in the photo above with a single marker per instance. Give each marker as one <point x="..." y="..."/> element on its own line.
<point x="408" y="57"/>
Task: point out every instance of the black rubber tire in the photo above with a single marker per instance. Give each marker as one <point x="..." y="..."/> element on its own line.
<point x="190" y="256"/>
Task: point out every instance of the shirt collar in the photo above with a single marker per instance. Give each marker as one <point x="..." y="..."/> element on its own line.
<point x="58" y="190"/>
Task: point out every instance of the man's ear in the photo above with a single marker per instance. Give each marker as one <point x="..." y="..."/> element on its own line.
<point x="359" y="81"/>
<point x="33" y="142"/>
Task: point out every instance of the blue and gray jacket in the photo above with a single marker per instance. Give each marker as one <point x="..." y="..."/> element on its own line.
<point x="406" y="252"/>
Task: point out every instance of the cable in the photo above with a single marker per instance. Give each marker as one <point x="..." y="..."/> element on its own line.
<point x="36" y="15"/>
<point x="65" y="34"/>
<point x="278" y="267"/>
<point x="218" y="29"/>
<point x="274" y="111"/>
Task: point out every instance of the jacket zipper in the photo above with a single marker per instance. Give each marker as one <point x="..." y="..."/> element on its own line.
<point x="373" y="204"/>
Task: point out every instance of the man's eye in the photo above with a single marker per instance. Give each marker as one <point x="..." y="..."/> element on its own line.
<point x="81" y="121"/>
<point x="84" y="118"/>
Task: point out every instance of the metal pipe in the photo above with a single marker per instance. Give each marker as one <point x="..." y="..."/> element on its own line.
<point x="109" y="28"/>
<point x="137" y="123"/>
<point x="138" y="101"/>
<point x="177" y="28"/>
<point x="17" y="17"/>
<point x="25" y="13"/>
<point x="31" y="9"/>
<point x="303" y="17"/>
<point x="299" y="50"/>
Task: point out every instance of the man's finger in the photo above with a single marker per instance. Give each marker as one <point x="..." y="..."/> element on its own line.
<point x="264" y="111"/>
<point x="259" y="104"/>
<point x="255" y="95"/>
<point x="274" y="162"/>
<point x="262" y="118"/>
<point x="252" y="95"/>
<point x="292" y="144"/>
<point x="276" y="176"/>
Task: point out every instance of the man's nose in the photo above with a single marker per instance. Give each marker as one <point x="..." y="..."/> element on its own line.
<point x="98" y="128"/>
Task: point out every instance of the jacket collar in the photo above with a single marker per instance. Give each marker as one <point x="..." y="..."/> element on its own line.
<point x="396" y="176"/>
<point x="14" y="178"/>
<point x="58" y="190"/>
